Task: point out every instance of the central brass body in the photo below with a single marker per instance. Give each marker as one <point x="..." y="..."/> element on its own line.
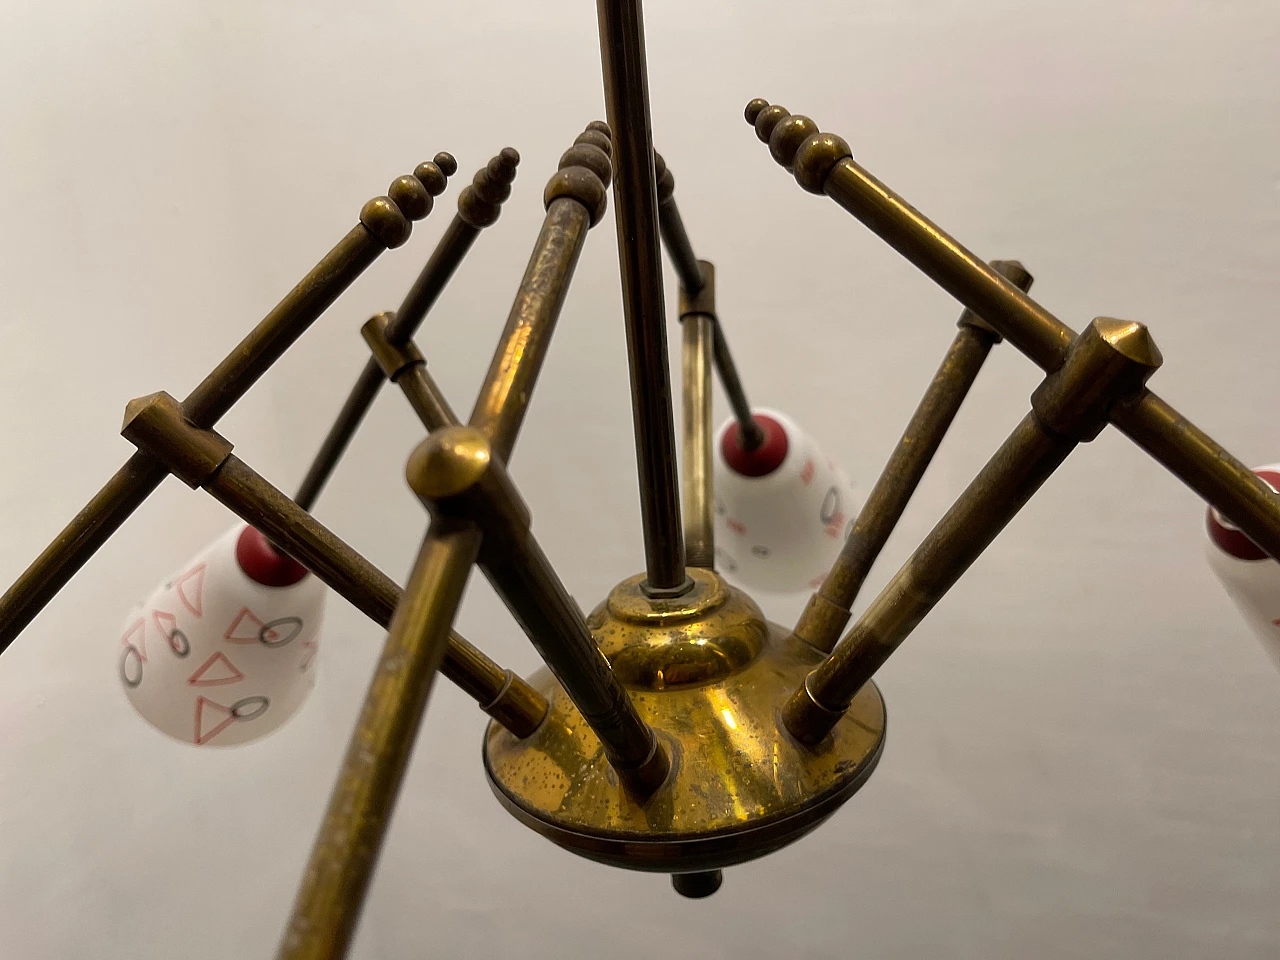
<point x="709" y="674"/>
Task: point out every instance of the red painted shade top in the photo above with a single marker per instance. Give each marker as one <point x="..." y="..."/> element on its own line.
<point x="764" y="459"/>
<point x="263" y="563"/>
<point x="1230" y="538"/>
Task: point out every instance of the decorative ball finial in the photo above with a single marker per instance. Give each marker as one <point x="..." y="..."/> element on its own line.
<point x="817" y="157"/>
<point x="787" y="136"/>
<point x="754" y="108"/>
<point x="432" y="177"/>
<point x="447" y="164"/>
<point x="383" y="218"/>
<point x="666" y="180"/>
<point x="411" y="196"/>
<point x="767" y="119"/>
<point x="480" y="202"/>
<point x="585" y="173"/>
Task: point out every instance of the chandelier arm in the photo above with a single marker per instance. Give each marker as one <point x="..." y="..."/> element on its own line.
<point x="327" y="909"/>
<point x="457" y="475"/>
<point x="575" y="200"/>
<point x="383" y="225"/>
<point x="405" y="366"/>
<point x="478" y="207"/>
<point x="626" y="90"/>
<point x="201" y="458"/>
<point x="692" y="281"/>
<point x="1110" y="360"/>
<point x="697" y="319"/>
<point x="822" y="163"/>
<point x="827" y="611"/>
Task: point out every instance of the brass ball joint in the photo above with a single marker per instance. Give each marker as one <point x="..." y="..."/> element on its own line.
<point x="673" y="729"/>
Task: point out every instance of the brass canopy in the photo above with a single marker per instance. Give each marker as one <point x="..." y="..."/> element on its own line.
<point x="710" y="675"/>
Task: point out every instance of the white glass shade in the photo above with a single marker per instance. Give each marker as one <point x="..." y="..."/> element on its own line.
<point x="1251" y="578"/>
<point x="780" y="530"/>
<point x="216" y="657"/>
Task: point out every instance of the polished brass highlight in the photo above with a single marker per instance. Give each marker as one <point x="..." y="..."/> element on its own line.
<point x="626" y="97"/>
<point x="1195" y="458"/>
<point x="381" y="226"/>
<point x="1111" y="360"/>
<point x="828" y="609"/>
<point x="479" y="204"/>
<point x="708" y="673"/>
<point x="693" y="283"/>
<point x="575" y="199"/>
<point x="697" y="317"/>
<point x="156" y="424"/>
<point x="327" y="908"/>
<point x="457" y="474"/>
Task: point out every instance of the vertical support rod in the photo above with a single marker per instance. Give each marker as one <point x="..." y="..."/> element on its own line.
<point x="697" y="318"/>
<point x="333" y="889"/>
<point x="828" y="609"/>
<point x="690" y="271"/>
<point x="626" y="90"/>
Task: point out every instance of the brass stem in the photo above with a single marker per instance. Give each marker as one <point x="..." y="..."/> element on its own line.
<point x="229" y="381"/>
<point x="635" y="201"/>
<point x="333" y="889"/>
<point x="828" y="609"/>
<point x="692" y="281"/>
<point x="699" y="480"/>
<point x="1110" y="360"/>
<point x="504" y="398"/>
<point x="478" y="206"/>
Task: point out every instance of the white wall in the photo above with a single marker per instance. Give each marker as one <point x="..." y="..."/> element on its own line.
<point x="1084" y="756"/>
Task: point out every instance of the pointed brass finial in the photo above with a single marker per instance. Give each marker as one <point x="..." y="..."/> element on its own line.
<point x="586" y="171"/>
<point x="480" y="203"/>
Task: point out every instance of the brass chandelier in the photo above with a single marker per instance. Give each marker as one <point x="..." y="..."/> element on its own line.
<point x="674" y="729"/>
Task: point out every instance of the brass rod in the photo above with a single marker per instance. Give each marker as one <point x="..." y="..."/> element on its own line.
<point x="478" y="206"/>
<point x="456" y="474"/>
<point x="822" y="163"/>
<point x="382" y="226"/>
<point x="357" y="404"/>
<point x="828" y="609"/>
<point x="1110" y="360"/>
<point x="635" y="200"/>
<point x="699" y="481"/>
<point x="327" y="908"/>
<point x="426" y="398"/>
<point x="505" y="697"/>
<point x="508" y="386"/>
<point x="690" y="271"/>
<point x="80" y="539"/>
<point x="1205" y="466"/>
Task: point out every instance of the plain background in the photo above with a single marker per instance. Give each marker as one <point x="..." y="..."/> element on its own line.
<point x="1084" y="753"/>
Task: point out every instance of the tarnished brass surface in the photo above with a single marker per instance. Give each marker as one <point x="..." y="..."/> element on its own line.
<point x="204" y="406"/>
<point x="474" y="212"/>
<point x="626" y="97"/>
<point x="333" y="888"/>
<point x="699" y="478"/>
<point x="709" y="675"/>
<point x="392" y="358"/>
<point x="1110" y="360"/>
<point x="582" y="177"/>
<point x="828" y="609"/>
<point x="456" y="474"/>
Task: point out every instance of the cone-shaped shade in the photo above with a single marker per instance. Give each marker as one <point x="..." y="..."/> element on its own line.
<point x="218" y="657"/>
<point x="1251" y="578"/>
<point x="783" y="511"/>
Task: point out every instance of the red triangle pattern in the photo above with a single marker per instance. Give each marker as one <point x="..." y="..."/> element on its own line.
<point x="165" y="622"/>
<point x="191" y="589"/>
<point x="136" y="637"/>
<point x="310" y="647"/>
<point x="224" y="671"/>
<point x="214" y="724"/>
<point x="806" y="475"/>
<point x="246" y="628"/>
